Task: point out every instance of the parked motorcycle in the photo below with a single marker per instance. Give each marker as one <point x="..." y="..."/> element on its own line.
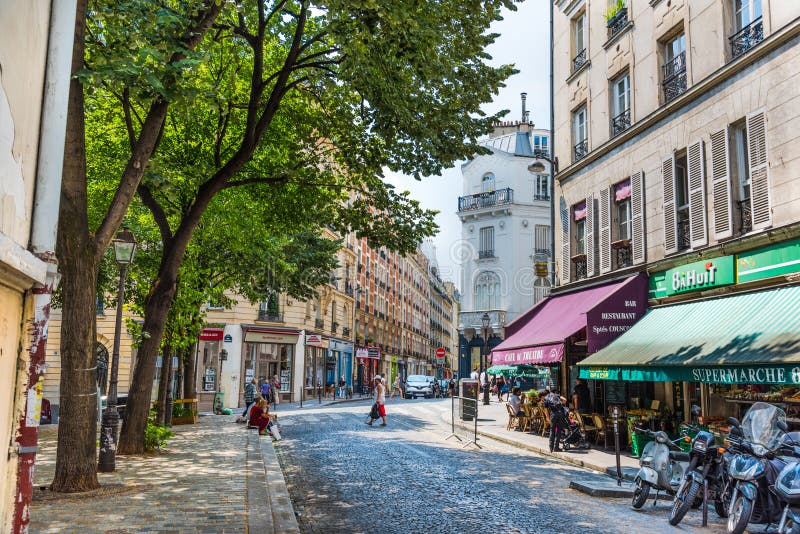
<point x="757" y="467"/>
<point x="787" y="488"/>
<point x="707" y="471"/>
<point x="662" y="465"/>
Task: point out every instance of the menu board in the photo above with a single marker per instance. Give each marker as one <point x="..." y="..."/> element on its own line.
<point x="615" y="392"/>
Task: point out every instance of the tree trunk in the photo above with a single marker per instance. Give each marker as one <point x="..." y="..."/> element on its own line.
<point x="163" y="381"/>
<point x="179" y="375"/>
<point x="189" y="383"/>
<point x="76" y="459"/>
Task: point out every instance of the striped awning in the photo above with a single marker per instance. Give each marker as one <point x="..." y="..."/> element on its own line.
<point x="745" y="339"/>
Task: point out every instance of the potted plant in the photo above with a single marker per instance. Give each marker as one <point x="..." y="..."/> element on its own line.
<point x="617" y="11"/>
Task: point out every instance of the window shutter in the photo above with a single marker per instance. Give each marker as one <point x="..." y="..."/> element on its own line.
<point x="638" y="246"/>
<point x="565" y="254"/>
<point x="697" y="195"/>
<point x="759" y="177"/>
<point x="604" y="250"/>
<point x="670" y="214"/>
<point x="721" y="185"/>
<point x="588" y="236"/>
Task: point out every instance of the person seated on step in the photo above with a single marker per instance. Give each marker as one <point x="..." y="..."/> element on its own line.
<point x="259" y="416"/>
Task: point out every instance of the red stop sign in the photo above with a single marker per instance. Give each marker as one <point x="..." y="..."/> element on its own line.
<point x="440" y="352"/>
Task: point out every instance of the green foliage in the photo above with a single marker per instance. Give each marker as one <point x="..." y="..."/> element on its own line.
<point x="615" y="8"/>
<point x="182" y="409"/>
<point x="155" y="436"/>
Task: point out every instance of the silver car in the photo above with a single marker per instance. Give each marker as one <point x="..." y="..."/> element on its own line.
<point x="419" y="386"/>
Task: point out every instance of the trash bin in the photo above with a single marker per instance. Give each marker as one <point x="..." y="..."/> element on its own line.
<point x="469" y="399"/>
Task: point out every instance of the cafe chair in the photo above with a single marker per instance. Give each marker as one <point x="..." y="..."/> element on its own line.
<point x="513" y="419"/>
<point x="601" y="430"/>
<point x="546" y="424"/>
<point x="588" y="427"/>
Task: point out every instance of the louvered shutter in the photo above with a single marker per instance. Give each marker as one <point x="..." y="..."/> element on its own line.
<point x="670" y="214"/>
<point x="565" y="254"/>
<point x="638" y="246"/>
<point x="759" y="177"/>
<point x="604" y="249"/>
<point x="588" y="236"/>
<point x="721" y="185"/>
<point x="696" y="176"/>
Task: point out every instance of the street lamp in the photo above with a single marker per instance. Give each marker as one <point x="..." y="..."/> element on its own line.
<point x="485" y="320"/>
<point x="124" y="250"/>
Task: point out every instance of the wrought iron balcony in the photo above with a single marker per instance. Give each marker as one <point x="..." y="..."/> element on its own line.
<point x="623" y="253"/>
<point x="617" y="23"/>
<point x="483" y="254"/>
<point x="580" y="264"/>
<point x="474" y="319"/>
<point x="580" y="150"/>
<point x="486" y="200"/>
<point x="674" y="77"/>
<point x="319" y="323"/>
<point x="747" y="37"/>
<point x="684" y="237"/>
<point x="621" y="122"/>
<point x="334" y="327"/>
<point x="541" y="196"/>
<point x="579" y="60"/>
<point x="745" y="216"/>
<point x="541" y="153"/>
<point x="270" y="317"/>
<point x="345" y="332"/>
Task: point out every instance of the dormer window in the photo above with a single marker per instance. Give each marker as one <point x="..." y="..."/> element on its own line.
<point x="487" y="184"/>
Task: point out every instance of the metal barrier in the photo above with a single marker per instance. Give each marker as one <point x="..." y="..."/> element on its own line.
<point x="464" y="420"/>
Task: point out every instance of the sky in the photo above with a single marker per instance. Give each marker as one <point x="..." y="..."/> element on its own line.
<point x="523" y="42"/>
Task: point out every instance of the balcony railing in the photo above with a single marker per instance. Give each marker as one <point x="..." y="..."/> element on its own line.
<point x="541" y="153"/>
<point x="579" y="60"/>
<point x="580" y="150"/>
<point x="319" y="323"/>
<point x="334" y="327"/>
<point x="345" y="332"/>
<point x="486" y="200"/>
<point x="474" y="319"/>
<point x="617" y="23"/>
<point x="674" y="77"/>
<point x="745" y="216"/>
<point x="579" y="262"/>
<point x="545" y="251"/>
<point x="684" y="237"/>
<point x="747" y="37"/>
<point x="483" y="254"/>
<point x="623" y="253"/>
<point x="541" y="196"/>
<point x="270" y="317"/>
<point x="621" y="122"/>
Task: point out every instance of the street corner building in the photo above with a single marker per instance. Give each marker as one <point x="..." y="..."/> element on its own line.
<point x="691" y="182"/>
<point x="35" y="52"/>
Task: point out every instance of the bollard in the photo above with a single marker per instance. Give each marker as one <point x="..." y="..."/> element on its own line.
<point x="616" y="444"/>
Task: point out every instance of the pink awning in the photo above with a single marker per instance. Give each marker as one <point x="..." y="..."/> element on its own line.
<point x="607" y="311"/>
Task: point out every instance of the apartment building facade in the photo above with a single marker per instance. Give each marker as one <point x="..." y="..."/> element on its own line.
<point x="675" y="129"/>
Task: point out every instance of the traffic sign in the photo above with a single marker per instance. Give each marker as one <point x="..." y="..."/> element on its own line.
<point x="440" y="352"/>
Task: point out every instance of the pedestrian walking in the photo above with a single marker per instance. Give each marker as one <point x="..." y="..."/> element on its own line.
<point x="558" y="417"/>
<point x="264" y="389"/>
<point x="380" y="400"/>
<point x="474" y="374"/>
<point x="249" y="398"/>
<point x="397" y="385"/>
<point x="276" y="390"/>
<point x="342" y="387"/>
<point x="500" y="385"/>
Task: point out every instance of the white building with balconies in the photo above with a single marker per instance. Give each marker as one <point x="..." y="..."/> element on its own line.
<point x="505" y="224"/>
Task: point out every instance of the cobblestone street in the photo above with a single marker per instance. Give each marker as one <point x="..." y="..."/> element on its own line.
<point x="344" y="476"/>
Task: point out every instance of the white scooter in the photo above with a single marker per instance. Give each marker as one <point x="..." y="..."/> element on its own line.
<point x="662" y="466"/>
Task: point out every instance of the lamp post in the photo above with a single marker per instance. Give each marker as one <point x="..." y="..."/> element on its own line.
<point x="124" y="250"/>
<point x="485" y="321"/>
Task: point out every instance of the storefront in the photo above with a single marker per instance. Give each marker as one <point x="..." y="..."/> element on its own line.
<point x="562" y="329"/>
<point x="267" y="353"/>
<point x="342" y="354"/>
<point x="208" y="367"/>
<point x="721" y="353"/>
<point x="368" y="359"/>
<point x="316" y="365"/>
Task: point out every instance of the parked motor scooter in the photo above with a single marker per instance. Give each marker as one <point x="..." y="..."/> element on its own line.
<point x="787" y="489"/>
<point x="757" y="467"/>
<point x="662" y="466"/>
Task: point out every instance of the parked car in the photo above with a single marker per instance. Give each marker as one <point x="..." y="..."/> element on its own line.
<point x="419" y="386"/>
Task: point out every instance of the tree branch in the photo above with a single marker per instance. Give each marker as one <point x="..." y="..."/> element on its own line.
<point x="158" y="212"/>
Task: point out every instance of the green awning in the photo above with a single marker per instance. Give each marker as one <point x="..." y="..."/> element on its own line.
<point x="753" y="338"/>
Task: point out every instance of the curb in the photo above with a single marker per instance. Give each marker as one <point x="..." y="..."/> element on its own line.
<point x="602" y="490"/>
<point x="269" y="507"/>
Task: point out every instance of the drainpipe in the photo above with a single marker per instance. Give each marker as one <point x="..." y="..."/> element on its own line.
<point x="552" y="167"/>
<point x="52" y="131"/>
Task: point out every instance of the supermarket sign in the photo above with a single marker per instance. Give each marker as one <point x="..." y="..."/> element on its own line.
<point x="695" y="276"/>
<point x="785" y="374"/>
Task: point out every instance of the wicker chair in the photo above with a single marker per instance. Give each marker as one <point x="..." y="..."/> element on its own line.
<point x="513" y="418"/>
<point x="546" y="424"/>
<point x="601" y="431"/>
<point x="587" y="425"/>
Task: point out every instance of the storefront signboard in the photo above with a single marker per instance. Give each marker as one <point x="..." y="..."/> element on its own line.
<point x="362" y="352"/>
<point x="228" y="338"/>
<point x="269" y="337"/>
<point x="788" y="374"/>
<point x="774" y="260"/>
<point x="374" y="353"/>
<point x="316" y="340"/>
<point x="533" y="355"/>
<point x="211" y="334"/>
<point x="616" y="314"/>
<point x="696" y="276"/>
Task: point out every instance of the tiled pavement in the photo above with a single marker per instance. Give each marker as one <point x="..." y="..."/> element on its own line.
<point x="198" y="484"/>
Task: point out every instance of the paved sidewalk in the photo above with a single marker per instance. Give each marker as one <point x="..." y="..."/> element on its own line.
<point x="200" y="483"/>
<point x="492" y="421"/>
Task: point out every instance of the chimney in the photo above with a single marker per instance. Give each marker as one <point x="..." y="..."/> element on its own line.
<point x="524" y="113"/>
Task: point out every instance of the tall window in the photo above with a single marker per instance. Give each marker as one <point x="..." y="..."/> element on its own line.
<point x="578" y="41"/>
<point x="746" y="12"/>
<point x="486" y="244"/>
<point x="541" y="187"/>
<point x="674" y="68"/>
<point x="487" y="291"/>
<point x="740" y="176"/>
<point x="682" y="200"/>
<point x="579" y="141"/>
<point x="487" y="184"/>
<point x="620" y="103"/>
<point x="541" y="239"/>
<point x="540" y="145"/>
